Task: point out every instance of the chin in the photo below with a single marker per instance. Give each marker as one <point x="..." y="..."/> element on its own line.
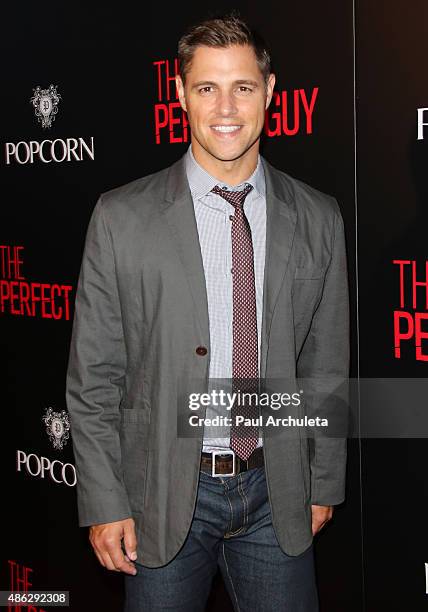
<point x="227" y="155"/>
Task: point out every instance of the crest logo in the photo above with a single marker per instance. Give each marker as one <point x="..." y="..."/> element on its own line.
<point x="45" y="102"/>
<point x="57" y="427"/>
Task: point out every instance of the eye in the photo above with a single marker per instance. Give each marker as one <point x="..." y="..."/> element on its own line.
<point x="244" y="89"/>
<point x="205" y="89"/>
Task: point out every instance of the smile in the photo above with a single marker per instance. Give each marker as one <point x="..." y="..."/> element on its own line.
<point x="226" y="128"/>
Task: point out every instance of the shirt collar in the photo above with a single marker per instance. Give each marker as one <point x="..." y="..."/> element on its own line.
<point x="201" y="182"/>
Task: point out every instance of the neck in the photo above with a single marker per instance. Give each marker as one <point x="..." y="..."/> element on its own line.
<point x="231" y="172"/>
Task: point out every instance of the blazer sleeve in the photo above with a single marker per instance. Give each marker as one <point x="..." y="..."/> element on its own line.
<point x="324" y="364"/>
<point x="95" y="376"/>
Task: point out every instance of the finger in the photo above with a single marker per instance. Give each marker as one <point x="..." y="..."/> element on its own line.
<point x="96" y="549"/>
<point x="322" y="525"/>
<point x="109" y="563"/>
<point x="118" y="559"/>
<point x="130" y="541"/>
<point x="104" y="545"/>
<point x="316" y="526"/>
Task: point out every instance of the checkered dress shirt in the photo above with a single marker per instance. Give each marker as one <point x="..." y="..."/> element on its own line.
<point x="214" y="228"/>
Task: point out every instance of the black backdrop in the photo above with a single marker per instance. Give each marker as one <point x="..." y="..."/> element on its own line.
<point x="392" y="220"/>
<point x="103" y="58"/>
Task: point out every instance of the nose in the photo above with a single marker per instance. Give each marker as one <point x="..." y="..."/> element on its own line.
<point x="226" y="104"/>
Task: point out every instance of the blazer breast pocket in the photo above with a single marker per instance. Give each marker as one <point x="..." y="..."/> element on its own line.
<point x="306" y="292"/>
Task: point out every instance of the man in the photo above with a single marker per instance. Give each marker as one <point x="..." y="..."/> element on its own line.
<point x="219" y="267"/>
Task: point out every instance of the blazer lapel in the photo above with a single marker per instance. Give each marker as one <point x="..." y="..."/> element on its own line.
<point x="179" y="213"/>
<point x="281" y="219"/>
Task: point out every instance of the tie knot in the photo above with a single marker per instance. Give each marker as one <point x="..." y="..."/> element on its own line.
<point x="236" y="198"/>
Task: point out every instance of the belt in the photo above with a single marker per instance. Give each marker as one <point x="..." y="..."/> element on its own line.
<point x="227" y="463"/>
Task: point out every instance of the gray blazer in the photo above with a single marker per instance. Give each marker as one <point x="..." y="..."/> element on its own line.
<point x="141" y="312"/>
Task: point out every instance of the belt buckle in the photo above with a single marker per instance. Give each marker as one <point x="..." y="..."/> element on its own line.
<point x="222" y="452"/>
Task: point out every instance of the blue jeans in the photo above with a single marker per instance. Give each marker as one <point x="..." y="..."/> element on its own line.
<point x="232" y="529"/>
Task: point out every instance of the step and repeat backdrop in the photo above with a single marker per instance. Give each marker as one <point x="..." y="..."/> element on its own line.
<point x="392" y="206"/>
<point x="89" y="103"/>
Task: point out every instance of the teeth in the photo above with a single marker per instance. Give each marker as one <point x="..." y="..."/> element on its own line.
<point x="226" y="128"/>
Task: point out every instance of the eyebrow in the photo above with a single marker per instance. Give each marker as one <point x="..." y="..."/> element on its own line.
<point x="237" y="82"/>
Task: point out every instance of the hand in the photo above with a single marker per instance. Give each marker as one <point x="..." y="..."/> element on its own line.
<point x="320" y="516"/>
<point x="106" y="541"/>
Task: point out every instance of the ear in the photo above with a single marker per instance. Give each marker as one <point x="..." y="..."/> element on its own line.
<point x="269" y="88"/>
<point x="180" y="91"/>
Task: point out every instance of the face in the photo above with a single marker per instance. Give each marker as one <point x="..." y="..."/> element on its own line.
<point x="225" y="97"/>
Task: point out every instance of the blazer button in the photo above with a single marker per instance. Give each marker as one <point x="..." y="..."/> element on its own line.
<point x="201" y="350"/>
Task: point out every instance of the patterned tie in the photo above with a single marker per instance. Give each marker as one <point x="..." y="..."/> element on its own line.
<point x="243" y="439"/>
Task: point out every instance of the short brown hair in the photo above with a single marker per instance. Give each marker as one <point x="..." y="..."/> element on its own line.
<point x="222" y="32"/>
